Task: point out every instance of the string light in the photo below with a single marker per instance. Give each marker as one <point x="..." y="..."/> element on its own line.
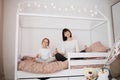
<point x="54" y="7"/>
<point x="91" y="11"/>
<point x="95" y="13"/>
<point x="35" y="3"/>
<point x="38" y="5"/>
<point x="79" y="10"/>
<point x="66" y="9"/>
<point x="92" y="15"/>
<point x="52" y="4"/>
<point x="28" y="5"/>
<point x="45" y="6"/>
<point x="72" y="7"/>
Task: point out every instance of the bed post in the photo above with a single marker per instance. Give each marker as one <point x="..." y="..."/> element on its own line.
<point x="19" y="13"/>
<point x="68" y="62"/>
<point x="16" y="42"/>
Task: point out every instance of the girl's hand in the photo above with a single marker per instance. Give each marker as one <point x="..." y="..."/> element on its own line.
<point x="37" y="56"/>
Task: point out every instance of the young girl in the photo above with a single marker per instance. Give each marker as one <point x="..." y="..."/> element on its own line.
<point x="44" y="54"/>
<point x="69" y="45"/>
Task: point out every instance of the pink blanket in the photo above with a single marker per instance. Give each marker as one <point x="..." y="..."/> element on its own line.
<point x="35" y="67"/>
<point x="29" y="64"/>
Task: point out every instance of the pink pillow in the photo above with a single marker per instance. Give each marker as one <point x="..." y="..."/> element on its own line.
<point x="97" y="47"/>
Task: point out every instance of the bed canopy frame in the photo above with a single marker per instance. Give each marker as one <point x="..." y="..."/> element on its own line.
<point x="25" y="10"/>
<point x="93" y="15"/>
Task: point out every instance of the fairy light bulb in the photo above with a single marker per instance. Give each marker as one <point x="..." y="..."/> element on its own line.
<point x="52" y="4"/>
<point x="79" y="10"/>
<point x="72" y="7"/>
<point x="95" y="13"/>
<point x="38" y="5"/>
<point x="35" y="3"/>
<point x="45" y="6"/>
<point x="91" y="11"/>
<point x="54" y="7"/>
<point x="92" y="15"/>
<point x="66" y="9"/>
<point x="29" y="5"/>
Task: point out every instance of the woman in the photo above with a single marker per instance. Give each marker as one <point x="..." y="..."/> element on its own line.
<point x="69" y="45"/>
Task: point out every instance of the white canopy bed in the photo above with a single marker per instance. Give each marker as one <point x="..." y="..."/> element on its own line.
<point x="31" y="26"/>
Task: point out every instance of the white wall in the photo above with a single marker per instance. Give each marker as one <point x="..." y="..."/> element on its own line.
<point x="112" y="2"/>
<point x="9" y="37"/>
<point x="31" y="39"/>
<point x="116" y="20"/>
<point x="10" y="7"/>
<point x="1" y="39"/>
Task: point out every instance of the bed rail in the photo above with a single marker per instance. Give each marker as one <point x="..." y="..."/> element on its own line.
<point x="89" y="58"/>
<point x="70" y="72"/>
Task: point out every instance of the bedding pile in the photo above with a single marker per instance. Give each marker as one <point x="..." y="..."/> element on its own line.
<point x="36" y="67"/>
<point x="97" y="47"/>
<point x="28" y="64"/>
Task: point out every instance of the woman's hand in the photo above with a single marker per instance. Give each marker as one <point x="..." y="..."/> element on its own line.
<point x="55" y="51"/>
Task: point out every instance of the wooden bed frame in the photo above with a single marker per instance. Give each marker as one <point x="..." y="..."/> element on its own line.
<point x="68" y="72"/>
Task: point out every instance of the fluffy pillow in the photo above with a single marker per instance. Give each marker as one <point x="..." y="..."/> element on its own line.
<point x="97" y="47"/>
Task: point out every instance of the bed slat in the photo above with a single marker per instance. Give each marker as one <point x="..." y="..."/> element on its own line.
<point x="87" y="62"/>
<point x="88" y="54"/>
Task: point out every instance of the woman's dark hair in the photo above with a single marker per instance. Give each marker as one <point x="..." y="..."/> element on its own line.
<point x="63" y="36"/>
<point x="46" y="39"/>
